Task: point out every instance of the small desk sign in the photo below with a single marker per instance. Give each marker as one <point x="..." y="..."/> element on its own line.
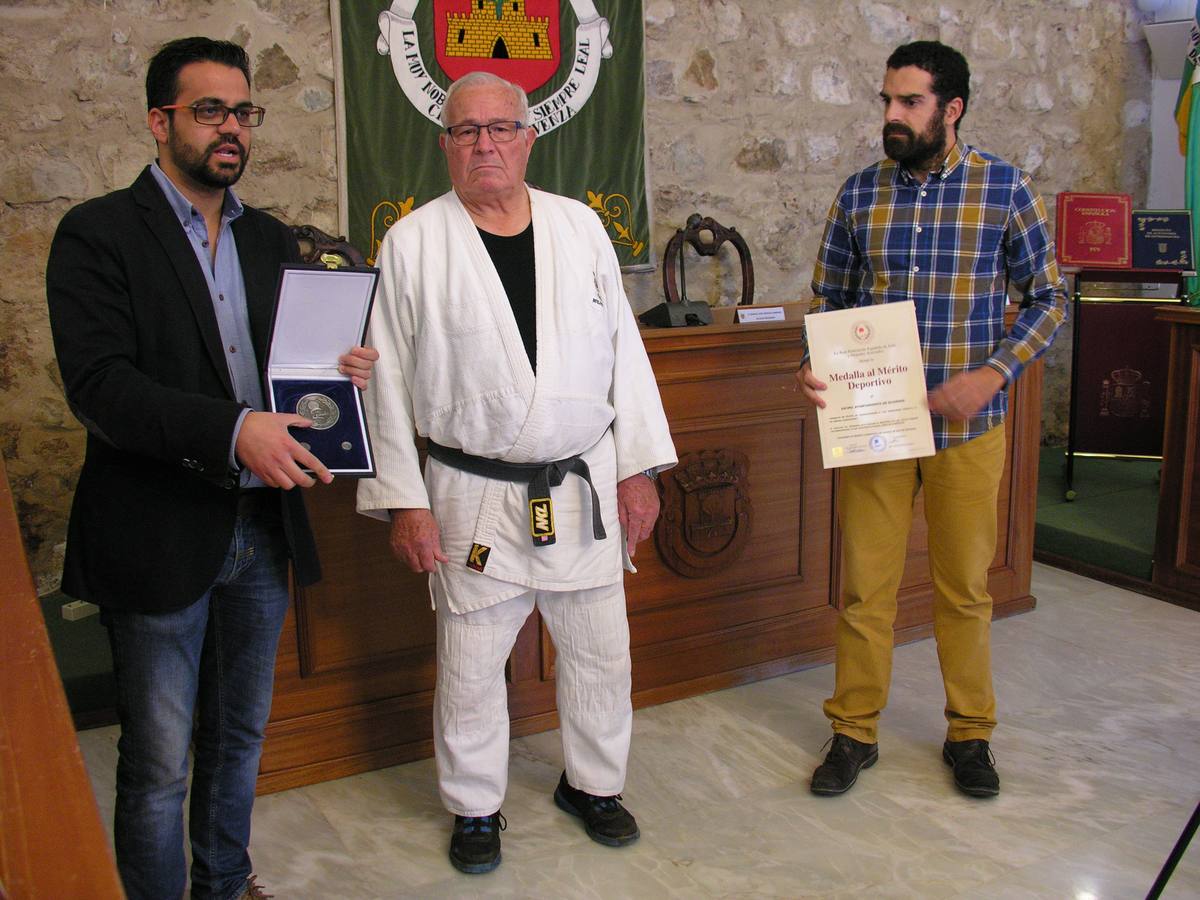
<point x="320" y="314"/>
<point x="1162" y="239"/>
<point x="759" y="314"/>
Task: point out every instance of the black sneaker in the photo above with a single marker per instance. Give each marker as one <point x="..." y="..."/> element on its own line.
<point x="974" y="767"/>
<point x="475" y="843"/>
<point x="606" y="821"/>
<point x="842" y="764"/>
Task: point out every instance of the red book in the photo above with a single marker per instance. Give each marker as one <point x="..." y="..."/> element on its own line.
<point x="1094" y="231"/>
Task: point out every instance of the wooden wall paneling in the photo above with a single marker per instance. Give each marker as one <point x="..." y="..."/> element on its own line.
<point x="727" y="388"/>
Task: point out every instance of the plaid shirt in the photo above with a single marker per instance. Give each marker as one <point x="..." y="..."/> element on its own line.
<point x="951" y="245"/>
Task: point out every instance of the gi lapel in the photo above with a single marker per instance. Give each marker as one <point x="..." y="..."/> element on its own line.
<point x="164" y="225"/>
<point x="493" y="290"/>
<point x="546" y="294"/>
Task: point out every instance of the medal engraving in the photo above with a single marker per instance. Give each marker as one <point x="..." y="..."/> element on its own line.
<point x="323" y="411"/>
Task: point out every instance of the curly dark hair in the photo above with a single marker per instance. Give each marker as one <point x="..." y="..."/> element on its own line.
<point x="951" y="75"/>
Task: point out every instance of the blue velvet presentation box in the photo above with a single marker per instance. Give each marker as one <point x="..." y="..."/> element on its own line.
<point x="320" y="314"/>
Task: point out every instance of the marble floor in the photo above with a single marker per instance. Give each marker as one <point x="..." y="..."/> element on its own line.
<point x="1098" y="751"/>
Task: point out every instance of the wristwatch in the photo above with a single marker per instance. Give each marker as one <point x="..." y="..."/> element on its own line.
<point x="652" y="474"/>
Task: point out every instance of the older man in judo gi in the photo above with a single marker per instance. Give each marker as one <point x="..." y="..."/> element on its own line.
<point x="506" y="340"/>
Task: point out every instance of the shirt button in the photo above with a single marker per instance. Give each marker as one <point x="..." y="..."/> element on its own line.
<point x="222" y="296"/>
<point x="232" y="349"/>
<point x="918" y="232"/>
<point x="916" y="268"/>
<point x="205" y="243"/>
<point x="922" y="194"/>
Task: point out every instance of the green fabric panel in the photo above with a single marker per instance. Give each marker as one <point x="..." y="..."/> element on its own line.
<point x="394" y="164"/>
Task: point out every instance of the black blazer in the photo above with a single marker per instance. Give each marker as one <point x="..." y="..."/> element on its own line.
<point x="142" y="365"/>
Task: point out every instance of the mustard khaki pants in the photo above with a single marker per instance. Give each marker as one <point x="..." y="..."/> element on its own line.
<point x="875" y="504"/>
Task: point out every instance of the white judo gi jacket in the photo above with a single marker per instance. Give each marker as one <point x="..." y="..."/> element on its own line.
<point x="452" y="367"/>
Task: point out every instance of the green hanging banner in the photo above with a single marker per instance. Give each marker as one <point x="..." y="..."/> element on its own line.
<point x="580" y="61"/>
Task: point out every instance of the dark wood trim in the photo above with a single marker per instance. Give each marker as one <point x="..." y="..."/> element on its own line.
<point x="1118" y="579"/>
<point x="1177" y="537"/>
<point x="94" y="718"/>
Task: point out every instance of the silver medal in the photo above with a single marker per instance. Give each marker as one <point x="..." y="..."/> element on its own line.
<point x="323" y="412"/>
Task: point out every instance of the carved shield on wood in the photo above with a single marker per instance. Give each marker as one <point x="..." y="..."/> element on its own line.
<point x="706" y="514"/>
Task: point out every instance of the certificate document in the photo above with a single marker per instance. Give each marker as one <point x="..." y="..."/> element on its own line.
<point x="875" y="405"/>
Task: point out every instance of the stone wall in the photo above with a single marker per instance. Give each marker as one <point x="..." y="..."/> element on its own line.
<point x="756" y="111"/>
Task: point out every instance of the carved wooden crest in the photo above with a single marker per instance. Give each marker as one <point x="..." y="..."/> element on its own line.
<point x="706" y="512"/>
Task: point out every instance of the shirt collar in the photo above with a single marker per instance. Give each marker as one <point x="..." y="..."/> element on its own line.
<point x="952" y="161"/>
<point x="182" y="206"/>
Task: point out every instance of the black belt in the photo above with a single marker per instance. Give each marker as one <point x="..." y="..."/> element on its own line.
<point x="539" y="476"/>
<point x="257" y="501"/>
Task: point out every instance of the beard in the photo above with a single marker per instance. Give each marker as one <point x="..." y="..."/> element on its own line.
<point x="203" y="167"/>
<point x="908" y="148"/>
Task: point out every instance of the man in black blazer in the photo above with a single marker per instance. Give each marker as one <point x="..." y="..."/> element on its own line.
<point x="184" y="517"/>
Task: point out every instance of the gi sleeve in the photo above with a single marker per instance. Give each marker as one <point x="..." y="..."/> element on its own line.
<point x="640" y="430"/>
<point x="389" y="402"/>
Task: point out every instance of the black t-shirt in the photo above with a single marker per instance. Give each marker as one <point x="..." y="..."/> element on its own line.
<point x="513" y="259"/>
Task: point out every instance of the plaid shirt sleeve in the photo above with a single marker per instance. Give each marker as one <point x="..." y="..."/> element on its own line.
<point x="838" y="270"/>
<point x="1032" y="268"/>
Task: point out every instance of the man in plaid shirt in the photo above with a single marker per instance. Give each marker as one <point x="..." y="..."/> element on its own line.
<point x="948" y="227"/>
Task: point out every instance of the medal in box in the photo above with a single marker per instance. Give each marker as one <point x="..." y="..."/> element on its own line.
<point x="320" y="314"/>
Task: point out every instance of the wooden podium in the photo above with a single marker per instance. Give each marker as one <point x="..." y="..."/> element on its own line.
<point x="740" y="582"/>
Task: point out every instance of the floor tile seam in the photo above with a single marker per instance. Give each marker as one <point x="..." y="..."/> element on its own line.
<point x="1033" y="625"/>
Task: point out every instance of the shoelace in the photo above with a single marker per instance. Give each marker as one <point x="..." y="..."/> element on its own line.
<point x="841" y="748"/>
<point x="607" y="804"/>
<point x="984" y="753"/>
<point x="483" y="824"/>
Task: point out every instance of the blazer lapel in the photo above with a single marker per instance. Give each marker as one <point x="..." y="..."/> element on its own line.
<point x="164" y="225"/>
<point x="260" y="273"/>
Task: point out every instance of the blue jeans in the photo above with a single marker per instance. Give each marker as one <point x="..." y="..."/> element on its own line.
<point x="210" y="665"/>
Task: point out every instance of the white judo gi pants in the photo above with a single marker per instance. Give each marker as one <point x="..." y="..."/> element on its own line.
<point x="592" y="673"/>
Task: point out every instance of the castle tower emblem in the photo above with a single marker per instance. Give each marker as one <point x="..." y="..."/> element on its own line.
<point x="498" y="29"/>
<point x="509" y="36"/>
<point x="515" y="39"/>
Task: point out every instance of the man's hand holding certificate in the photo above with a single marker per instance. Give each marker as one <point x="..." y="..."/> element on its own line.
<point x="875" y="405"/>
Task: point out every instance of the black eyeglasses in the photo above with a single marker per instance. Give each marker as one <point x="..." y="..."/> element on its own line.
<point x="468" y="135"/>
<point x="216" y="113"/>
